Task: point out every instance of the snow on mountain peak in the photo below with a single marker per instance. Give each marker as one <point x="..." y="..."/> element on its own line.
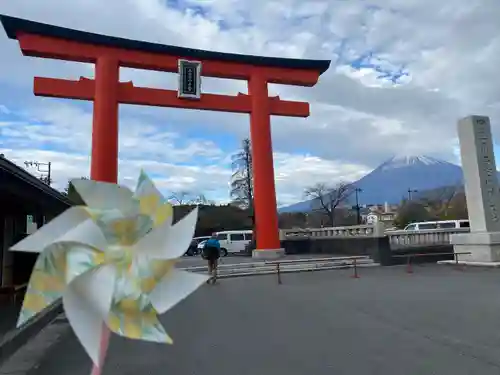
<point x="400" y="161"/>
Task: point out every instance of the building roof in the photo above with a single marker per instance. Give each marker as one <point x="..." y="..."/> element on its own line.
<point x="13" y="26"/>
<point x="382" y="213"/>
<point x="21" y="174"/>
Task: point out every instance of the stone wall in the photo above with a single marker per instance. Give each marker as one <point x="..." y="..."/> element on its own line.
<point x="377" y="248"/>
<point x="338" y="246"/>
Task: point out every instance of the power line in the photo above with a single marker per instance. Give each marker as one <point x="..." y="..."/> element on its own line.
<point x="46" y="171"/>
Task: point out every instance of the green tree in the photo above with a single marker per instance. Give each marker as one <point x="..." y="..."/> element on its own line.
<point x="290" y="220"/>
<point x="411" y="212"/>
<point x="439" y="201"/>
<point x="242" y="178"/>
<point x="458" y="208"/>
<point x="214" y="218"/>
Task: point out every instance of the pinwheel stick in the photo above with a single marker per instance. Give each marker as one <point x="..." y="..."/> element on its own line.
<point x="96" y="370"/>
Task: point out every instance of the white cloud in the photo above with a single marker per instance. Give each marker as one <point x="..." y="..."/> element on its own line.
<point x="417" y="66"/>
<point x="294" y="172"/>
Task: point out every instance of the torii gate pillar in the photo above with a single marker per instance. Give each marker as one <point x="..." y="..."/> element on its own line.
<point x="108" y="54"/>
<point x="263" y="168"/>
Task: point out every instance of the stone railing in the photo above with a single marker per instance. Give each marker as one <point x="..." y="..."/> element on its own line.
<point x="397" y="238"/>
<point x="402" y="238"/>
<point x="368" y="230"/>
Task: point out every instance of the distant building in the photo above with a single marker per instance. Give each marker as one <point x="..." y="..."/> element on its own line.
<point x="371" y="218"/>
<point x="381" y="214"/>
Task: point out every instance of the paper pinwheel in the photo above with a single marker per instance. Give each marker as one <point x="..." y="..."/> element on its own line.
<point x="111" y="261"/>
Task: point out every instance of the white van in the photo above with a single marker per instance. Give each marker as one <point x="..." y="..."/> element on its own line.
<point x="444" y="224"/>
<point x="232" y="241"/>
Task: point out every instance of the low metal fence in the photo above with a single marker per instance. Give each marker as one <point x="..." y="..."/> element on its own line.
<point x="409" y="264"/>
<point x="279" y="266"/>
<point x="348" y="262"/>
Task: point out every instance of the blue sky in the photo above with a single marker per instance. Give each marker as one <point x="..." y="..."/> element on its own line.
<point x="402" y="74"/>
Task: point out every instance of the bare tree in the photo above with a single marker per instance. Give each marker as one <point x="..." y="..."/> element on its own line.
<point x="328" y="198"/>
<point x="201" y="199"/>
<point x="187" y="198"/>
<point x="242" y="178"/>
<point x="179" y="197"/>
<point x="439" y="201"/>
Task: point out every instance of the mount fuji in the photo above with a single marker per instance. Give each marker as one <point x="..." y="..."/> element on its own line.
<point x="390" y="181"/>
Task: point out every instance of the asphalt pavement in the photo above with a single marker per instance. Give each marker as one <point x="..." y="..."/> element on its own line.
<point x="437" y="321"/>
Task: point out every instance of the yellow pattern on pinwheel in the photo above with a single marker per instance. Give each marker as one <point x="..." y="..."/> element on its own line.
<point x="133" y="316"/>
<point x="123" y="248"/>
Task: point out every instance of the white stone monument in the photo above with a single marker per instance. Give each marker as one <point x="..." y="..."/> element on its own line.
<point x="482" y="194"/>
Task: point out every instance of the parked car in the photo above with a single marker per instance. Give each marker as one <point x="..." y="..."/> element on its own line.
<point x="231" y="241"/>
<point x="193" y="248"/>
<point x="444" y="224"/>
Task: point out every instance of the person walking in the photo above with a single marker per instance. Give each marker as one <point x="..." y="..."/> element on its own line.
<point x="211" y="252"/>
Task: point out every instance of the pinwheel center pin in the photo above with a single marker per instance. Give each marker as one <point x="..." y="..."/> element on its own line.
<point x="126" y="230"/>
<point x="120" y="256"/>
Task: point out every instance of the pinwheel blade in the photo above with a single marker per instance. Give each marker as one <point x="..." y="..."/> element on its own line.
<point x="86" y="233"/>
<point x="103" y="196"/>
<point x="133" y="320"/>
<point x="174" y="287"/>
<point x="152" y="202"/>
<point x="168" y="242"/>
<point x="51" y="231"/>
<point x="87" y="301"/>
<point x="145" y="187"/>
<point x="47" y="282"/>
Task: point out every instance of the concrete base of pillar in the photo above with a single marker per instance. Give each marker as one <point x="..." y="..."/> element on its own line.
<point x="473" y="264"/>
<point x="268" y="254"/>
<point x="484" y="247"/>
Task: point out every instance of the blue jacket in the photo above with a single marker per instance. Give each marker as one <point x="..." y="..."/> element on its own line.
<point x="212" y="242"/>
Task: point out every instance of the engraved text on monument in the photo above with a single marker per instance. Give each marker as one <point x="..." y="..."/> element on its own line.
<point x="485" y="158"/>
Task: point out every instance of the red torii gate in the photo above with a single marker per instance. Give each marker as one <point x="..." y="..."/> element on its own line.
<point x="106" y="91"/>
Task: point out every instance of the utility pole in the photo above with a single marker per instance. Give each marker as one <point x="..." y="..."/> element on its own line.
<point x="47" y="179"/>
<point x="410" y="191"/>
<point x="358" y="215"/>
